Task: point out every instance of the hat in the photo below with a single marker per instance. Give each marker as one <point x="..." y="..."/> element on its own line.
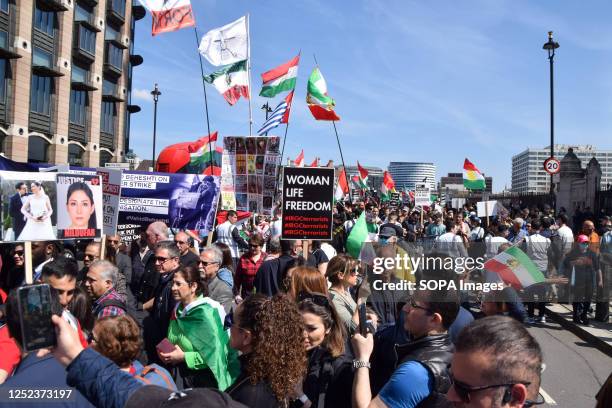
<point x="582" y="239"/>
<point x="153" y="396"/>
<point x="387" y="232"/>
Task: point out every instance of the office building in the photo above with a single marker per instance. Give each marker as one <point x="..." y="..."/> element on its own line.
<point x="529" y="176"/>
<point x="408" y="174"/>
<point x="65" y="80"/>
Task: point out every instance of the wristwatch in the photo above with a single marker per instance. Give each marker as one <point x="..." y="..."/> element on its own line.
<point x="359" y="364"/>
<point x="303" y="399"/>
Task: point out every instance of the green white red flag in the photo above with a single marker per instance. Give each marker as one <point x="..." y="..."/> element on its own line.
<point x="232" y="81"/>
<point x="320" y="104"/>
<point x="515" y="268"/>
<point x="280" y="79"/>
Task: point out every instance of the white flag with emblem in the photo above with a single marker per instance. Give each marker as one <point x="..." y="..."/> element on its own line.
<point x="227" y="44"/>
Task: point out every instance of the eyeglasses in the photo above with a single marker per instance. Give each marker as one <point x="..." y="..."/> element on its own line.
<point x="161" y="259"/>
<point x="414" y="305"/>
<point x="89" y="256"/>
<point x="18" y="253"/>
<point x="200" y="262"/>
<point x="464" y="390"/>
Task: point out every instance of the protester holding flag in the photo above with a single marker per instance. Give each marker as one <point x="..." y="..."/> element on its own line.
<point x="201" y="345"/>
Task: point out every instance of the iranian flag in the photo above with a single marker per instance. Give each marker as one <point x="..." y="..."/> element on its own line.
<point x="169" y="15"/>
<point x="472" y="177"/>
<point x="299" y="161"/>
<point x="320" y="104"/>
<point x="515" y="268"/>
<point x="232" y="81"/>
<point x="388" y="186"/>
<point x="280" y="79"/>
<point x="363" y="177"/>
<point x="315" y="162"/>
<point x="342" y="187"/>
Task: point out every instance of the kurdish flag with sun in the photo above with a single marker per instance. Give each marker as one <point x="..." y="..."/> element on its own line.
<point x="472" y="177"/>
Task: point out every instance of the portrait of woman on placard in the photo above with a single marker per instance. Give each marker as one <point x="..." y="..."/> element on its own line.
<point x="37" y="210"/>
<point x="80" y="207"/>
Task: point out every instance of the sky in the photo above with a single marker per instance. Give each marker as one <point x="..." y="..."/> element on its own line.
<point x="412" y="80"/>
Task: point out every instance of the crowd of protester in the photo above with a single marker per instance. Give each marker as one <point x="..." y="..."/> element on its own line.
<point x="247" y="319"/>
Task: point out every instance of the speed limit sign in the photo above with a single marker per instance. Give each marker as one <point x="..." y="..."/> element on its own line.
<point x="552" y="165"/>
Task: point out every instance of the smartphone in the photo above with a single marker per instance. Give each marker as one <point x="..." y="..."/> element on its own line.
<point x="35" y="311"/>
<point x="165" y="346"/>
<point x="363" y="324"/>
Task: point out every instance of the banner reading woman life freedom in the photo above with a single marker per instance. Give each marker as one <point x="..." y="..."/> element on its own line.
<point x="80" y="206"/>
<point x="182" y="201"/>
<point x="29" y="210"/>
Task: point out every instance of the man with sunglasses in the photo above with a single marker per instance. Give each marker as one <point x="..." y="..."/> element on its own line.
<point x="421" y="377"/>
<point x="92" y="254"/>
<point x="218" y="289"/>
<point x="497" y="363"/>
<point x="161" y="305"/>
<point x="183" y="242"/>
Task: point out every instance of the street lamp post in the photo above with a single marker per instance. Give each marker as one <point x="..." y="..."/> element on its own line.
<point x="155" y="92"/>
<point x="551" y="46"/>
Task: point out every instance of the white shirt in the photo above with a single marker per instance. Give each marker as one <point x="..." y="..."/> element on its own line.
<point x="493" y="244"/>
<point x="567" y="237"/>
<point x="537" y="247"/>
<point x="275" y="228"/>
<point x="451" y="244"/>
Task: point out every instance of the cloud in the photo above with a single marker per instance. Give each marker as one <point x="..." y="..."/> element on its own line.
<point x="142" y="95"/>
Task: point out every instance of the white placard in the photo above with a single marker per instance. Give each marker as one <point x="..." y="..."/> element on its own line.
<point x="486" y="208"/>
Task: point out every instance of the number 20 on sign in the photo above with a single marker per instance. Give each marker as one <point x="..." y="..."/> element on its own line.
<point x="552" y="165"/>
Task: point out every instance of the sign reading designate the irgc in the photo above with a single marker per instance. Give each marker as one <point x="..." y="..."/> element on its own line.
<point x="308" y="196"/>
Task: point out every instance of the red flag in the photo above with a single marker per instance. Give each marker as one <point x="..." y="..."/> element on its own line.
<point x="363" y="173"/>
<point x="289" y="101"/>
<point x="315" y="163"/>
<point x="320" y="113"/>
<point x="299" y="161"/>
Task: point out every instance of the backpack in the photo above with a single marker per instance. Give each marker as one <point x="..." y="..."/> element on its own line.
<point x="155" y="375"/>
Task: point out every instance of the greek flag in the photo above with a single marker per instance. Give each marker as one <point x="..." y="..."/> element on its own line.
<point x="275" y="119"/>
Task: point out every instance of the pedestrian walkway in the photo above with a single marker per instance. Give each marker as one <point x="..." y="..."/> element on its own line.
<point x="597" y="333"/>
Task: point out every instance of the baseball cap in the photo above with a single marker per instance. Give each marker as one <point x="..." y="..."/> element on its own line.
<point x="153" y="396"/>
<point x="582" y="239"/>
<point x="387" y="232"/>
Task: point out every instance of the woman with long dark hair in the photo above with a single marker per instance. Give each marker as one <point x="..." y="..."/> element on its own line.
<point x="269" y="334"/>
<point x="329" y="378"/>
<point x="201" y="345"/>
<point x="81" y="207"/>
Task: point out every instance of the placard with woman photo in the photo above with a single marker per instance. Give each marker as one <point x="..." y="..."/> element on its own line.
<point x="79" y="204"/>
<point x="29" y="206"/>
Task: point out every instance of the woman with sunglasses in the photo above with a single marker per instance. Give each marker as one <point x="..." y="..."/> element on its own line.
<point x="272" y="365"/>
<point x="329" y="377"/>
<point x="201" y="345"/>
<point x="248" y="265"/>
<point x="342" y="272"/>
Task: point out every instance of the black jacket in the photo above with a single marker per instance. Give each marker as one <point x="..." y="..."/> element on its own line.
<point x="435" y="353"/>
<point x="269" y="279"/>
<point x="258" y="395"/>
<point x="329" y="380"/>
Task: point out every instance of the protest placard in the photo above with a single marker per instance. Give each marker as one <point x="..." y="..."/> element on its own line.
<point x="111" y="192"/>
<point x="308" y="196"/>
<point x="79" y="206"/>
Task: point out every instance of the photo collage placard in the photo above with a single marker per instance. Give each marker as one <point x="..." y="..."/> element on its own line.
<point x="249" y="171"/>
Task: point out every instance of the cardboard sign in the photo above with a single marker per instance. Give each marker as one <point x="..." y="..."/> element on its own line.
<point x="422" y="196"/>
<point x="111" y="192"/>
<point x="308" y="200"/>
<point x="486" y="208"/>
<point x="395" y="200"/>
<point x="79" y="206"/>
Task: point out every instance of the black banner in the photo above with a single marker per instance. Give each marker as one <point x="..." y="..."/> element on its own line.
<point x="308" y="200"/>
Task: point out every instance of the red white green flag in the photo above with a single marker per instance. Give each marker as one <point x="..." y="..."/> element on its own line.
<point x="472" y="177"/>
<point x="342" y="187"/>
<point x="388" y="187"/>
<point x="515" y="268"/>
<point x="280" y="79"/>
<point x="363" y="177"/>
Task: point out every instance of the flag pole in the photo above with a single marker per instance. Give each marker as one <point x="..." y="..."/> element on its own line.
<point x="249" y="73"/>
<point x="342" y="158"/>
<point x="281" y="160"/>
<point x="210" y="156"/>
